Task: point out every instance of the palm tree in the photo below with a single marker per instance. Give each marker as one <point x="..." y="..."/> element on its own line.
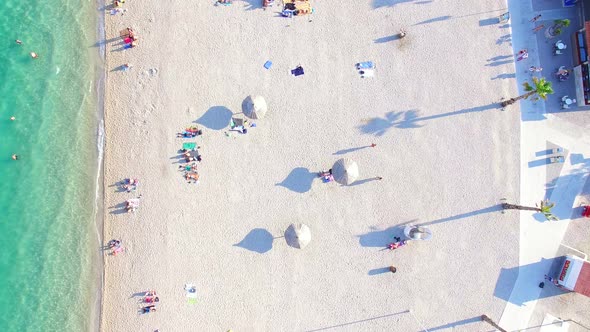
<point x="557" y="27"/>
<point x="545" y="208"/>
<point x="540" y="86"/>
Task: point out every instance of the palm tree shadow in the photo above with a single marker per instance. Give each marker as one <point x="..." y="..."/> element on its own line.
<point x="493" y="208"/>
<point x="379" y="126"/>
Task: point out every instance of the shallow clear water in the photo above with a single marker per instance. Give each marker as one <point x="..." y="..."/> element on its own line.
<point x="47" y="198"/>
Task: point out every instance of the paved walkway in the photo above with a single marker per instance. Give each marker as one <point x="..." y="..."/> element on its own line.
<point x="540" y="241"/>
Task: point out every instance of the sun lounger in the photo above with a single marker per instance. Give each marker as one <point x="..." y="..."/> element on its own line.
<point x="367" y="73"/>
<point x="365" y="65"/>
<point x="191" y="293"/>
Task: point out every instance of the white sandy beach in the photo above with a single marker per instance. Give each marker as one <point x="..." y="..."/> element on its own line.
<point x="197" y="62"/>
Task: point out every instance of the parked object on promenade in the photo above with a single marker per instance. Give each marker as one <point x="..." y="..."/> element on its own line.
<point x="562" y="74"/>
<point x="559" y="48"/>
<point x="574" y="275"/>
<point x="566" y="102"/>
<point x="298" y="236"/>
<point x="345" y="171"/>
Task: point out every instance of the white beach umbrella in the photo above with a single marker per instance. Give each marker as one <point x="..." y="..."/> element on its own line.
<point x="345" y="171"/>
<point x="298" y="235"/>
<point x="417" y="233"/>
<point x="256" y="107"/>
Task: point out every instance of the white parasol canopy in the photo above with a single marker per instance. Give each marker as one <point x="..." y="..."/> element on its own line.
<point x="298" y="235"/>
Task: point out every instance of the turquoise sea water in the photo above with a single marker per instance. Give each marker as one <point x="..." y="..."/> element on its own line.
<point x="48" y="261"/>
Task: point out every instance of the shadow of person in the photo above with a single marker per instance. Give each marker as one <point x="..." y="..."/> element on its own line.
<point x="119" y="208"/>
<point x="216" y="118"/>
<point x="299" y="180"/>
<point x="258" y="240"/>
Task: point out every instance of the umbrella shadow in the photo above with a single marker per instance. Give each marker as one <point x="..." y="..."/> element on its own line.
<point x="258" y="240"/>
<point x="253" y="4"/>
<point x="381" y="238"/>
<point x="216" y="118"/>
<point x="299" y="180"/>
<point x="379" y="126"/>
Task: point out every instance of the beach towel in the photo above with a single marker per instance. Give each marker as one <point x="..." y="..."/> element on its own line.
<point x="268" y="64"/>
<point x="191" y="293"/>
<point x="367" y="73"/>
<point x="297" y="71"/>
<point x="189" y="145"/>
<point x="365" y="65"/>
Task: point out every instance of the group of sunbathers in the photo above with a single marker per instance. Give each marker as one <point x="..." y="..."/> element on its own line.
<point x="189" y="133"/>
<point x="151" y="299"/>
<point x="132" y="204"/>
<point x="130" y="184"/>
<point x="129" y="38"/>
<point x="115" y="246"/>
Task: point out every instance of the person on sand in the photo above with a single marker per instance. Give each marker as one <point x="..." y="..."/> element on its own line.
<point x="14" y="157"/>
<point x="534" y="19"/>
<point x="395" y="245"/>
<point x="114" y="243"/>
<point x="148" y="309"/>
<point x="151" y="299"/>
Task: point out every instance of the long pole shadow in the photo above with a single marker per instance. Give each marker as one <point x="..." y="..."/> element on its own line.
<point x="494" y="208"/>
<point x="410" y="117"/>
<point x="457" y="323"/>
<point x="358" y="321"/>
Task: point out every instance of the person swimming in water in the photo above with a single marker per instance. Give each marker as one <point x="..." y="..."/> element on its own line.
<point x="15" y="157"/>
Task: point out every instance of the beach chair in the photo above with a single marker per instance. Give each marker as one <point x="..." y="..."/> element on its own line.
<point x="191" y="293"/>
<point x="365" y="65"/>
<point x="504" y="17"/>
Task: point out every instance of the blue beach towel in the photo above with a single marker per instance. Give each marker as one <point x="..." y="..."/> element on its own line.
<point x="365" y="65"/>
<point x="268" y="64"/>
<point x="297" y="71"/>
